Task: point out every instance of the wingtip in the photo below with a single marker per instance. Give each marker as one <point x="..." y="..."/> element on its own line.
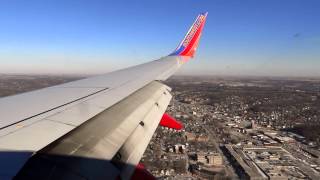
<point x="204" y="13"/>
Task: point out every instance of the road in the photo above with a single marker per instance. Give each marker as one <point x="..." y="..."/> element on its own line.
<point x="212" y="137"/>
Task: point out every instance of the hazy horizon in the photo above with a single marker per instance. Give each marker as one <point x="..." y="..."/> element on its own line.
<point x="175" y="75"/>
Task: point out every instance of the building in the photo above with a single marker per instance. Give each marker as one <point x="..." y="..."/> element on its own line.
<point x="215" y="159"/>
<point x="201" y="157"/>
<point x="190" y="136"/>
<point x="253" y="124"/>
<point x="212" y="159"/>
<point x="203" y="138"/>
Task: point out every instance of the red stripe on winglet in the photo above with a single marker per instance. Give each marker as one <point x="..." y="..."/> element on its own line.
<point x="192" y="46"/>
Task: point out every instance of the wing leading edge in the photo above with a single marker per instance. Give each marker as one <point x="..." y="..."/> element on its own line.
<point x="44" y="117"/>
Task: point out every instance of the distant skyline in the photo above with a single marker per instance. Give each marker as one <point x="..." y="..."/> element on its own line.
<point x="248" y="37"/>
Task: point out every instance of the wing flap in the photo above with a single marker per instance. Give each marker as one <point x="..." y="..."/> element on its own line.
<point x="102" y="136"/>
<point x="134" y="147"/>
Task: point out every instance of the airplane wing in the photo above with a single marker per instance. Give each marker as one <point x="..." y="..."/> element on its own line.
<point x="94" y="128"/>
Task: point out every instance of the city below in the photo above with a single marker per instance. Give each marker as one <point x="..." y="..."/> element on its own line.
<point x="234" y="127"/>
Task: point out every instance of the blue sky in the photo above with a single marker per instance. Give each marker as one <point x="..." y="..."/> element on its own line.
<point x="247" y="37"/>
